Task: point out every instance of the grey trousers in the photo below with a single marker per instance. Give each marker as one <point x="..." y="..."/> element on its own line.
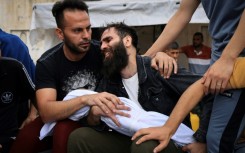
<point x="88" y="140"/>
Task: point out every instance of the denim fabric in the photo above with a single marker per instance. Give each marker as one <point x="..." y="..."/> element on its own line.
<point x="155" y="93"/>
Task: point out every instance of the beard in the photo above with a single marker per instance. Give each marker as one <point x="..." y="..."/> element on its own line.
<point x="74" y="49"/>
<point x="113" y="65"/>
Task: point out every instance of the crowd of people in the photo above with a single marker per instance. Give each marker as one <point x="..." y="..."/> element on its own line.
<point x="112" y="76"/>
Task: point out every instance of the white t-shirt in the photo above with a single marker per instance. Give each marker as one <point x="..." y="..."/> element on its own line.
<point x="132" y="87"/>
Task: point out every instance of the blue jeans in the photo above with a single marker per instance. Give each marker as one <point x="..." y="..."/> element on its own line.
<point x="227" y="120"/>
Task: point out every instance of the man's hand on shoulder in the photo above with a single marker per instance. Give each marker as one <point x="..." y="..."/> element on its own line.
<point x="164" y="64"/>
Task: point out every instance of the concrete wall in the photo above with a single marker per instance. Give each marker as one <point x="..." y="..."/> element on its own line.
<point x="15" y="18"/>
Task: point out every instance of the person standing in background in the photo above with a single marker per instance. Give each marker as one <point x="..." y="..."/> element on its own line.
<point x="198" y="54"/>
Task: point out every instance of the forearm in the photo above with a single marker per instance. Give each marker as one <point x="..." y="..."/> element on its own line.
<point x="173" y="28"/>
<point x="237" y="42"/>
<point x="186" y="103"/>
<point x="57" y="110"/>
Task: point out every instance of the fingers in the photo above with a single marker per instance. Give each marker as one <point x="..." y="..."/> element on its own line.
<point x="206" y="82"/>
<point x="107" y="102"/>
<point x="172" y="66"/>
<point x="169" y="66"/>
<point x="216" y="78"/>
<point x="218" y="87"/>
<point x="166" y="69"/>
<point x="212" y="84"/>
<point x="146" y="135"/>
<point x="143" y="139"/>
<point x="137" y="134"/>
<point x="112" y="98"/>
<point x="160" y="147"/>
<point x="164" y="64"/>
<point x="121" y="113"/>
<point x="224" y="85"/>
<point x="102" y="106"/>
<point x="118" y="112"/>
<point x="114" y="119"/>
<point x="154" y="64"/>
<point x="175" y="66"/>
<point x="110" y="105"/>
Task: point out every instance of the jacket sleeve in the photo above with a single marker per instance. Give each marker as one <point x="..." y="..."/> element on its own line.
<point x="206" y="105"/>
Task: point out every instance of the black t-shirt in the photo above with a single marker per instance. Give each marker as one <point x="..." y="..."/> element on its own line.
<point x="15" y="87"/>
<point x="54" y="70"/>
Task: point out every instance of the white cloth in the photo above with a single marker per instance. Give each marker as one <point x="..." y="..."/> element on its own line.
<point x="139" y="119"/>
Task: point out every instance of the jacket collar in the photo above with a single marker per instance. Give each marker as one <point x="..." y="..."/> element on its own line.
<point x="142" y="64"/>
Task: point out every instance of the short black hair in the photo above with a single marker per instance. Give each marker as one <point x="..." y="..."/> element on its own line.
<point x="123" y="30"/>
<point x="198" y="34"/>
<point x="60" y="6"/>
<point x="173" y="45"/>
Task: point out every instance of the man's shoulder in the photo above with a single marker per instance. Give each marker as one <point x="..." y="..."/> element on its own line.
<point x="143" y="60"/>
<point x="51" y="52"/>
<point x="10" y="63"/>
<point x="8" y="37"/>
<point x="187" y="47"/>
<point x="12" y="44"/>
<point x="144" y="64"/>
<point x="206" y="48"/>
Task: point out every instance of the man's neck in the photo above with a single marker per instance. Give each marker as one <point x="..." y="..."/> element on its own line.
<point x="198" y="48"/>
<point x="131" y="69"/>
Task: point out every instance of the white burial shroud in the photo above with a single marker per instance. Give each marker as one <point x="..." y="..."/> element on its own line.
<point x="139" y="119"/>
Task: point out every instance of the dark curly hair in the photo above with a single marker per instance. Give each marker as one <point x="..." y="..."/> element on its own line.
<point x="124" y="30"/>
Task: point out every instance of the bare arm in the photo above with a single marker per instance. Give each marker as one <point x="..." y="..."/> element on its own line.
<point x="51" y="110"/>
<point x="217" y="76"/>
<point x="188" y="101"/>
<point x="175" y="25"/>
<point x="164" y="133"/>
